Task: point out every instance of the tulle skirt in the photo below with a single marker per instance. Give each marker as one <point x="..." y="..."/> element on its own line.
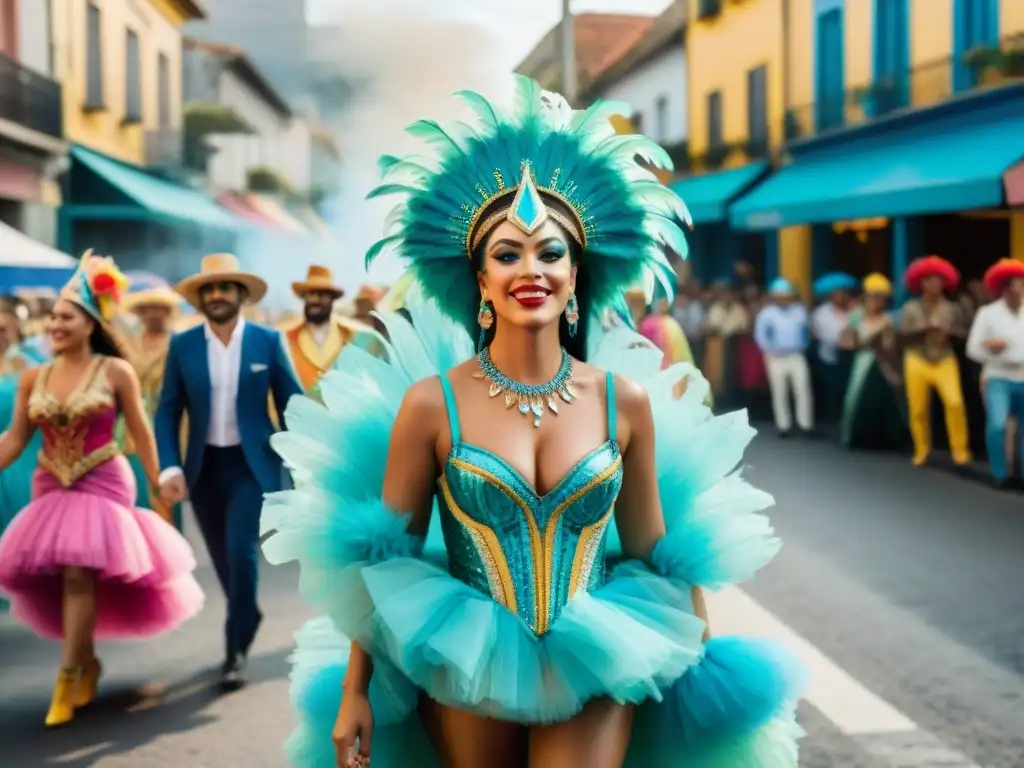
<point x="143" y="567"/>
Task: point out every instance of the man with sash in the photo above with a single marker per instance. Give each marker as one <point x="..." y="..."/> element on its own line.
<point x="315" y="343"/>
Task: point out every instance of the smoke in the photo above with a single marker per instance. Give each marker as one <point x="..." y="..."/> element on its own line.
<point x="401" y="62"/>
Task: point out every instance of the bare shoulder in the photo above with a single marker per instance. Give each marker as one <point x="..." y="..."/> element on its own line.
<point x="424" y="399"/>
<point x="118" y="368"/>
<point x="27" y="378"/>
<point x="631" y="400"/>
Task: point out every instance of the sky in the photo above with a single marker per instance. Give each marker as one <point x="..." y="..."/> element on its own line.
<point x="523" y="22"/>
<point x="411" y="56"/>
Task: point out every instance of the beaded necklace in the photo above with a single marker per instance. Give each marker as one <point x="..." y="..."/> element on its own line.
<point x="529" y="398"/>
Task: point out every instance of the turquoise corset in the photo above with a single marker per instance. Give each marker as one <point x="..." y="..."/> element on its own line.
<point x="530" y="553"/>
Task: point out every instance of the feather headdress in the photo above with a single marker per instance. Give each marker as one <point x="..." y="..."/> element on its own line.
<point x="537" y="160"/>
<point x="97" y="286"/>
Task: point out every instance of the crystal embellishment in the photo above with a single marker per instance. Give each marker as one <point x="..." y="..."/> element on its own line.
<point x="530" y="399"/>
<point x="528" y="211"/>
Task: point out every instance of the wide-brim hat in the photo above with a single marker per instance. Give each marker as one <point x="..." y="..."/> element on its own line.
<point x="369" y="292"/>
<point x="318" y="278"/>
<point x="1000" y="273"/>
<point x="931" y="266"/>
<point x="151" y="297"/>
<point x="221" y="268"/>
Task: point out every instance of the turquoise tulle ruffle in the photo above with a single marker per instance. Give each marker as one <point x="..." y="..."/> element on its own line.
<point x="724" y="704"/>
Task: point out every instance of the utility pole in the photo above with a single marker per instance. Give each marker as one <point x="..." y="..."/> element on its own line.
<point x="569" y="72"/>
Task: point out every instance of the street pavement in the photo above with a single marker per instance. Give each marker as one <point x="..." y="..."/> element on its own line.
<point x="900" y="589"/>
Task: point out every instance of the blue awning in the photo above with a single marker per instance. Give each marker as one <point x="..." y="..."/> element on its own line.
<point x="149" y="197"/>
<point x="708" y="195"/>
<point x="951" y="163"/>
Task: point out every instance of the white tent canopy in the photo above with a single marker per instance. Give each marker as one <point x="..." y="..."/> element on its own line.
<point x="19" y="250"/>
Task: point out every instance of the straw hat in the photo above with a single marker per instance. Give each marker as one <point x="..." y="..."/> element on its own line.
<point x="370" y="293"/>
<point x="318" y="278"/>
<point x="151" y="297"/>
<point x="221" y="268"/>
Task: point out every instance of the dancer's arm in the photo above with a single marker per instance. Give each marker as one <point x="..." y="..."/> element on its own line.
<point x="638" y="513"/>
<point x="129" y="397"/>
<point x="14" y="440"/>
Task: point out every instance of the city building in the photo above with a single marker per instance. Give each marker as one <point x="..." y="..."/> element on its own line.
<point x="901" y="121"/>
<point x="120" y="63"/>
<point x="855" y="135"/>
<point x="32" y="148"/>
<point x="273" y="34"/>
<point x="601" y="40"/>
<point x="651" y="78"/>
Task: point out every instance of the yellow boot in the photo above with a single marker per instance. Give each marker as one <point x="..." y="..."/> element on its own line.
<point x="62" y="708"/>
<point x="88" y="686"/>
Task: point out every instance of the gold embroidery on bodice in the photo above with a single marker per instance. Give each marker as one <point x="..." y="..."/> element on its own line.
<point x="68" y="427"/>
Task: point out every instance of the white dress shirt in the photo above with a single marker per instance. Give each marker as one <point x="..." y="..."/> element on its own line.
<point x="780" y="331"/>
<point x="998" y="321"/>
<point x="224" y="361"/>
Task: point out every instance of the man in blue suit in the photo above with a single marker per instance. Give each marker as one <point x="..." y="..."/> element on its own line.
<point x="222" y="374"/>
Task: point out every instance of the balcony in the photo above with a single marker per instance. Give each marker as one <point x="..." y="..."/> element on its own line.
<point x="924" y="86"/>
<point x="29" y="99"/>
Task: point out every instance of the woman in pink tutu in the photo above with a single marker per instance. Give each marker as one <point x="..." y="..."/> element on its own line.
<point x="80" y="562"/>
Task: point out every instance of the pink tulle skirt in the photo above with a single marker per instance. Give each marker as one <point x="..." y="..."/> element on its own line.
<point x="143" y="566"/>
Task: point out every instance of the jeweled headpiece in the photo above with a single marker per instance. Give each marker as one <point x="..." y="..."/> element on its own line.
<point x="537" y="161"/>
<point x="97" y="286"/>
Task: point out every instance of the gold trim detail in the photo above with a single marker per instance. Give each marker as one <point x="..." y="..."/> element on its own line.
<point x="70" y="472"/>
<point x="586" y="551"/>
<point x="542" y="547"/>
<point x="536" y="547"/>
<point x="489" y="548"/>
<point x="552" y="526"/>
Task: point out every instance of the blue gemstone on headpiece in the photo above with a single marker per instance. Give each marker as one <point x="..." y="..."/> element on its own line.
<point x="528" y="211"/>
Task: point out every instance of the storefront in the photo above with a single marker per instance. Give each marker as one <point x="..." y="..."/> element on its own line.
<point x="917" y="173"/>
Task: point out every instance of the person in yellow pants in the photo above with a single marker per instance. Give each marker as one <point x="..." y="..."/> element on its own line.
<point x="926" y="324"/>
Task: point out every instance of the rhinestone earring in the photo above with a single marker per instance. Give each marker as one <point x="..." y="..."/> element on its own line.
<point x="485" y="319"/>
<point x="572" y="314"/>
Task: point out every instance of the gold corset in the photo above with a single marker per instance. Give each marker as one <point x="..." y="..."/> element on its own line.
<point x="75" y="439"/>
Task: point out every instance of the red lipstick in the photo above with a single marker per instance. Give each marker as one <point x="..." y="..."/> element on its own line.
<point x="531" y="296"/>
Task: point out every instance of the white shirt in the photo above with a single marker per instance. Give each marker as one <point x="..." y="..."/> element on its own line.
<point x="782" y="330"/>
<point x="727" y="321"/>
<point x="224" y="363"/>
<point x="998" y="321"/>
<point x="828" y="322"/>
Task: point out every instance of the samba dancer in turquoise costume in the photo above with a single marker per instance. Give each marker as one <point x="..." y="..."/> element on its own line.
<point x="476" y="600"/>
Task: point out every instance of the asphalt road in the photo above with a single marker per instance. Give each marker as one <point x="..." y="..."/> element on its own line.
<point x="903" y="589"/>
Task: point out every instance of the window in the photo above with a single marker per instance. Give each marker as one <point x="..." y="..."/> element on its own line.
<point x="661" y="119"/>
<point x="164" y="90"/>
<point x="94" y="58"/>
<point x="757" y="106"/>
<point x="830" y="96"/>
<point x="133" y="79"/>
<point x="715" y="140"/>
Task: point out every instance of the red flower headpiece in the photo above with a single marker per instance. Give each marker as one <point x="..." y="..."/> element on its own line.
<point x="931" y="266"/>
<point x="1000" y="273"/>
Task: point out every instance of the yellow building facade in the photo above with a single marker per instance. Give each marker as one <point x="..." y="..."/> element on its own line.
<point x="728" y="39"/>
<point x="120" y="63"/>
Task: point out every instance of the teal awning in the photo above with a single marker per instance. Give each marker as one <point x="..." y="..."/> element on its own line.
<point x="708" y="195"/>
<point x="951" y="163"/>
<point x="146" y="197"/>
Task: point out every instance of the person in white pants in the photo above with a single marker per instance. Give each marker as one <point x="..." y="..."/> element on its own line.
<point x="782" y="333"/>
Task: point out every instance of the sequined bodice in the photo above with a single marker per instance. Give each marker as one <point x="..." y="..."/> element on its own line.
<point x="78" y="435"/>
<point x="531" y="553"/>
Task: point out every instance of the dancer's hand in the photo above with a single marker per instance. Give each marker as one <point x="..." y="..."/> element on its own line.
<point x="173" y="490"/>
<point x="353" y="731"/>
